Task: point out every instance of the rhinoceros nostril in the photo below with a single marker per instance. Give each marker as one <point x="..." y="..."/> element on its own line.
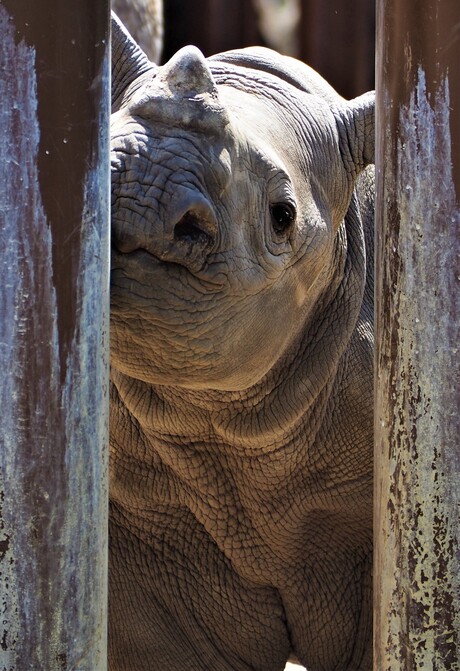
<point x="191" y="229"/>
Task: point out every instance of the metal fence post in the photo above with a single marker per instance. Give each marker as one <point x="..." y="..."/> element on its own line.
<point x="54" y="114"/>
<point x="417" y="428"/>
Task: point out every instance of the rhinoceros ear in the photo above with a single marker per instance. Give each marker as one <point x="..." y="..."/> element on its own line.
<point x="356" y="123"/>
<point x="128" y="61"/>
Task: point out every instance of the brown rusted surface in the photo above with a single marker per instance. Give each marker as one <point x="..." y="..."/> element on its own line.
<point x="68" y="117"/>
<point x="422" y="34"/>
<point x="54" y="87"/>
<point x="417" y="471"/>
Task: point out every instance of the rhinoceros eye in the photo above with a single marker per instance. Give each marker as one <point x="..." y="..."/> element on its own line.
<point x="283" y="215"/>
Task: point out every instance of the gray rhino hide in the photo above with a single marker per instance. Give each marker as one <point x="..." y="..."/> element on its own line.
<point x="241" y="350"/>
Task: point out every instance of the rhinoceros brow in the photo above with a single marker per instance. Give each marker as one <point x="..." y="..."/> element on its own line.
<point x="274" y="173"/>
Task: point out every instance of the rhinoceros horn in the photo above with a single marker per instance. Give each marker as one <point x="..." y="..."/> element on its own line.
<point x="183" y="93"/>
<point x="128" y="61"/>
<point x="188" y="74"/>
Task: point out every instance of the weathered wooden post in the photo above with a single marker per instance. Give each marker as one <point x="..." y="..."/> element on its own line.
<point x="417" y="519"/>
<point x="54" y="93"/>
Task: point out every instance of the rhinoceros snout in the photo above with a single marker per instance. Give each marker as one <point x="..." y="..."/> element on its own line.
<point x="185" y="232"/>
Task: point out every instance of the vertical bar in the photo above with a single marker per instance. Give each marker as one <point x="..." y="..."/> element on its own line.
<point x="54" y="114"/>
<point x="417" y="511"/>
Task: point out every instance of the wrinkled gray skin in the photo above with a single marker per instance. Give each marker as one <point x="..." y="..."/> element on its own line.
<point x="241" y="391"/>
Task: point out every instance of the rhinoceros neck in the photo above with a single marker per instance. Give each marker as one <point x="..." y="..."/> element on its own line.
<point x="249" y="423"/>
<point x="285" y="409"/>
<point x="237" y="465"/>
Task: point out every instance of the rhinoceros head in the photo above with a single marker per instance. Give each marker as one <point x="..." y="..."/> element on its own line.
<point x="230" y="186"/>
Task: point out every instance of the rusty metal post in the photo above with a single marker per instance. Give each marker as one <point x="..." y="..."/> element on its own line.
<point x="417" y="511"/>
<point x="54" y="111"/>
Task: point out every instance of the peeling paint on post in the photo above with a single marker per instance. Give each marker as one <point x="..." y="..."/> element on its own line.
<point x="54" y="92"/>
<point x="417" y="424"/>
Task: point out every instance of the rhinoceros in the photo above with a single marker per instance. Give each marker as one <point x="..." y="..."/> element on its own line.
<point x="241" y="365"/>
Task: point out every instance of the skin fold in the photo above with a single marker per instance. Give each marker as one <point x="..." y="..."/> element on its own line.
<point x="241" y="365"/>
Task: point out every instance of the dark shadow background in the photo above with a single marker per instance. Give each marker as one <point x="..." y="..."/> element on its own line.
<point x="336" y="37"/>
